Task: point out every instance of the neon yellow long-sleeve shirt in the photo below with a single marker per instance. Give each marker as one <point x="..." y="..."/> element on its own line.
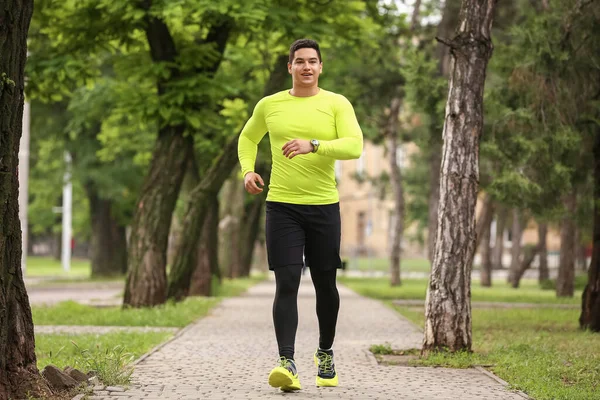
<point x="307" y="178"/>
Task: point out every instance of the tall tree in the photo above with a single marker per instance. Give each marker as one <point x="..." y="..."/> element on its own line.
<point x="515" y="249"/>
<point x="498" y="250"/>
<point x="396" y="180"/>
<point x="486" y="256"/>
<point x="147" y="280"/>
<point x="448" y="304"/>
<point x="185" y="260"/>
<point x="18" y="370"/>
<point x="590" y="305"/>
<point x="544" y="273"/>
<point x="447" y="25"/>
<point x="565" y="282"/>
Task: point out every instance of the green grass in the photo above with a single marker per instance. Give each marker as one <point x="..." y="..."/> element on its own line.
<point x="108" y="354"/>
<point x="539" y="351"/>
<point x="529" y="292"/>
<point x="169" y="315"/>
<point x="50" y="267"/>
<point x="383" y="264"/>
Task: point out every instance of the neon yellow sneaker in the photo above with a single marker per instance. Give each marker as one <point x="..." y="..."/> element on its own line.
<point x="326" y="376"/>
<point x="285" y="376"/>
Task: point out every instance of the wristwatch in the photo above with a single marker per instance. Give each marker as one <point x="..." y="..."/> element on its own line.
<point x="315" y="144"/>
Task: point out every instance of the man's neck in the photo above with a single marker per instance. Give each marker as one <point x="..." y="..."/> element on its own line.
<point x="304" y="91"/>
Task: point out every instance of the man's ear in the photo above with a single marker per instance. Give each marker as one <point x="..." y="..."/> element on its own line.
<point x="289" y="68"/>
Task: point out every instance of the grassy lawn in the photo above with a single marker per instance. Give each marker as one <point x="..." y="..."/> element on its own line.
<point x="97" y="352"/>
<point x="539" y="351"/>
<point x="170" y="315"/>
<point x="529" y="292"/>
<point x="50" y="267"/>
<point x="111" y="354"/>
<point x="383" y="264"/>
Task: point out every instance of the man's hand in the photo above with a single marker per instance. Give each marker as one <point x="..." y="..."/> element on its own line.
<point x="294" y="147"/>
<point x="250" y="180"/>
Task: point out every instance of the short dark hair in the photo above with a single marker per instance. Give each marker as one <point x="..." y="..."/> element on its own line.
<point x="304" y="44"/>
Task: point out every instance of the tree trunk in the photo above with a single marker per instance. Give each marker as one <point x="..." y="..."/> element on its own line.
<point x="529" y="255"/>
<point x="515" y="250"/>
<point x="108" y="242"/>
<point x="590" y="304"/>
<point x="184" y="265"/>
<point x="445" y="29"/>
<point x="19" y="376"/>
<point x="486" y="255"/>
<point x="397" y="227"/>
<point x="580" y="259"/>
<point x="448" y="304"/>
<point x="498" y="252"/>
<point x="565" y="282"/>
<point x="484" y="221"/>
<point x="207" y="254"/>
<point x="232" y="243"/>
<point x="147" y="281"/>
<point x="544" y="273"/>
<point x="250" y="230"/>
<point x="198" y="202"/>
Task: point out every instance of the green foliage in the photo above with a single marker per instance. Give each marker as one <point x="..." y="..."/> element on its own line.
<point x="541" y="87"/>
<point x="172" y="314"/>
<point x="416" y="289"/>
<point x="111" y="365"/>
<point x="92" y="352"/>
<point x="381" y="349"/>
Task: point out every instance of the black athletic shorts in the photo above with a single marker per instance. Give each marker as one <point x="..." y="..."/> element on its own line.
<point x="294" y="230"/>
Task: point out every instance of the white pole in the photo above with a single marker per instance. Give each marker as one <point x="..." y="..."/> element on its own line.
<point x="24" y="182"/>
<point x="67" y="215"/>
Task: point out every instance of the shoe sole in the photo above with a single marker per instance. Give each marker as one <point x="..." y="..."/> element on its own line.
<point x="321" y="382"/>
<point x="281" y="378"/>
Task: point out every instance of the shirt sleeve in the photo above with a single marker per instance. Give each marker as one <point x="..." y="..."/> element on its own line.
<point x="252" y="133"/>
<point x="349" y="144"/>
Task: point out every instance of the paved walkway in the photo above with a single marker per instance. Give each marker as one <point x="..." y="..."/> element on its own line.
<point x="93" y="293"/>
<point x="229" y="353"/>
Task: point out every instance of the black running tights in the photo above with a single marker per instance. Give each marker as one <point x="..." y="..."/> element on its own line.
<point x="285" y="306"/>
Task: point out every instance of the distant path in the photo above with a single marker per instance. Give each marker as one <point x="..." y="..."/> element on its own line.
<point x="490" y="304"/>
<point x="97" y="293"/>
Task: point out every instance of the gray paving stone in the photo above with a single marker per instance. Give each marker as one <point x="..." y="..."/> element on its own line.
<point x="229" y="353"/>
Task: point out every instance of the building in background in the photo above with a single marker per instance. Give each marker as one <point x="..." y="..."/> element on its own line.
<point x="366" y="214"/>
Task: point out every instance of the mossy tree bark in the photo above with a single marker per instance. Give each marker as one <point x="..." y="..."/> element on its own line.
<point x="448" y="304"/>
<point x="147" y="281"/>
<point x="19" y="375"/>
<point x="198" y="202"/>
<point x="186" y="258"/>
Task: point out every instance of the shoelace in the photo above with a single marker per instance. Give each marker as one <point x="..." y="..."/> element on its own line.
<point x="285" y="363"/>
<point x="325" y="363"/>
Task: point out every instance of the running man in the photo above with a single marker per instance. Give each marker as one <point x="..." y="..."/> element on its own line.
<point x="310" y="128"/>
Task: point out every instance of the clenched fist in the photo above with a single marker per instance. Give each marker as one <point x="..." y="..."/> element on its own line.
<point x="250" y="183"/>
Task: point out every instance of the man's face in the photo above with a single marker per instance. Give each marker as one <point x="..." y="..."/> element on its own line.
<point x="305" y="68"/>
